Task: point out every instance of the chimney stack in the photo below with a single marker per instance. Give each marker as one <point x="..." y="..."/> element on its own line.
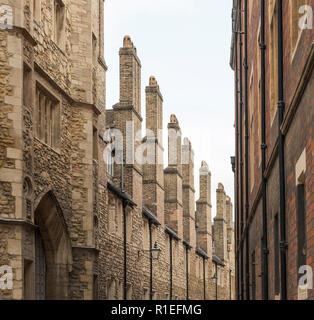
<point x="153" y="173"/>
<point x="203" y="211"/>
<point x="173" y="179"/>
<point x="188" y="190"/>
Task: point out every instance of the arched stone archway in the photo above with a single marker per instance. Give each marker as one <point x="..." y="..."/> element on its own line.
<point x="53" y="251"/>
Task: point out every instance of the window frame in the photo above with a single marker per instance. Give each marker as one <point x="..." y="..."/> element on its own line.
<point x="53" y="134"/>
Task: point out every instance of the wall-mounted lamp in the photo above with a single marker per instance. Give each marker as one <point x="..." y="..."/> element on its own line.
<point x="233" y="163"/>
<point x="155" y="252"/>
<point x="215" y="276"/>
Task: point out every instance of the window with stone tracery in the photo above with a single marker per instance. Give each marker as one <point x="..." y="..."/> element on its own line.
<point x="47" y="117"/>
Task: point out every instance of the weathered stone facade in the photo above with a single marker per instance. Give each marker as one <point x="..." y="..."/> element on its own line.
<point x="69" y="227"/>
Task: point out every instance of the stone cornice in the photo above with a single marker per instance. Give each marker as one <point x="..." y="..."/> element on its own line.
<point x="187" y="186"/>
<point x="151" y="89"/>
<point x="152" y="182"/>
<point x="171" y="170"/>
<point x="126" y="105"/>
<point x="130" y="51"/>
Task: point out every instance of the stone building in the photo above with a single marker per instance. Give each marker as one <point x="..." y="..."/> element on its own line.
<point x="272" y="56"/>
<point x="75" y="222"/>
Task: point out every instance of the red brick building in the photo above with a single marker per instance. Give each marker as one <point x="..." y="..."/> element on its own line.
<point x="272" y="56"/>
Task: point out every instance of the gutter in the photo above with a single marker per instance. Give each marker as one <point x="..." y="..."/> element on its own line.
<point x="217" y="260"/>
<point x="201" y="253"/>
<point x="150" y="216"/>
<point x="121" y="194"/>
<point x="171" y="233"/>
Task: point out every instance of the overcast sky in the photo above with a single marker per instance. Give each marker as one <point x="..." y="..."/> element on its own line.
<point x="185" y="44"/>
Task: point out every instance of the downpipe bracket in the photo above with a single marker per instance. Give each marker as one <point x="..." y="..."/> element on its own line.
<point x="283" y="245"/>
<point x="265" y="251"/>
<point x="281" y="104"/>
<point x="262" y="46"/>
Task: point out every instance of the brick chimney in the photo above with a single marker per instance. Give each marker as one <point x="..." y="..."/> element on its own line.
<point x="130" y="75"/>
<point x="173" y="179"/>
<point x="153" y="178"/>
<point x="220" y="224"/>
<point x="188" y="191"/>
<point x="128" y="120"/>
<point x="230" y="231"/>
<point x="203" y="211"/>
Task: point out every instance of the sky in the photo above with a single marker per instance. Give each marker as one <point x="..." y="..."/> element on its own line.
<point x="185" y="44"/>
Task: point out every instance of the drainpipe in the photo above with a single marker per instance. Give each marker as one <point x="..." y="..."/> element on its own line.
<point x="216" y="270"/>
<point x="125" y="251"/>
<point x="230" y="287"/>
<point x="241" y="151"/>
<point x="264" y="147"/>
<point x="170" y="243"/>
<point x="151" y="261"/>
<point x="281" y="105"/>
<point x="204" y="277"/>
<point x="237" y="234"/>
<point x="247" y="261"/>
<point x="187" y="271"/>
<point x="125" y="203"/>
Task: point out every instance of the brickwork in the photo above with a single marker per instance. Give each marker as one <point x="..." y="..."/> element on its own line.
<point x="298" y="141"/>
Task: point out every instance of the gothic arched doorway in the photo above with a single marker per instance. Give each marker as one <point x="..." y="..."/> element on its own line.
<point x="53" y="251"/>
